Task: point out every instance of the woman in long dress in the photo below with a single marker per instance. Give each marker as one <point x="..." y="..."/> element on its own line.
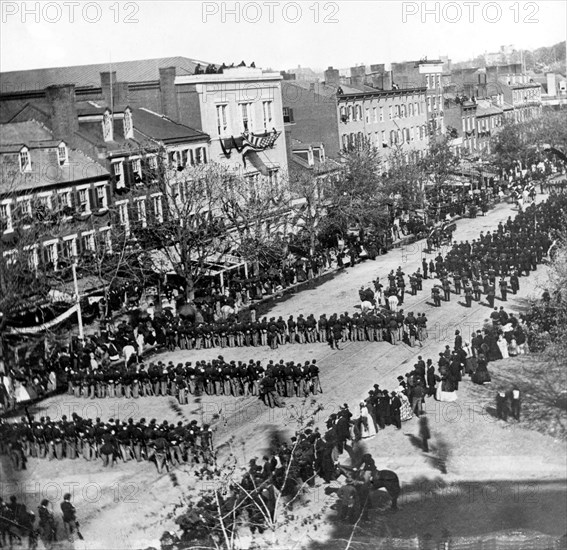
<point x="52" y="384"/>
<point x="367" y="423"/>
<point x="405" y="410"/>
<point x="503" y="346"/>
<point x="481" y="375"/>
<point x="513" y="348"/>
<point x="446" y="390"/>
<point x="20" y="393"/>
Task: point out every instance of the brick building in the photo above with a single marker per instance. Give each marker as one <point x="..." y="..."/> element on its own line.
<point x="46" y="181"/>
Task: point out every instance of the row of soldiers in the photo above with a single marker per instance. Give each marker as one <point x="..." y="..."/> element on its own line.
<point x="474" y="288"/>
<point x="216" y="377"/>
<point x="496" y="260"/>
<point x="110" y="441"/>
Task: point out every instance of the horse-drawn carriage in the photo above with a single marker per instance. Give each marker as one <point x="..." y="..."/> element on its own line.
<point x="441" y="235"/>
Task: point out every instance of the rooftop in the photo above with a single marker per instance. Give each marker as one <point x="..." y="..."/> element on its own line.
<point x="45" y="168"/>
<point x="142" y="70"/>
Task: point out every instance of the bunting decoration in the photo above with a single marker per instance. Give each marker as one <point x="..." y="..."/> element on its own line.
<point x="44" y="326"/>
<point x="248" y="142"/>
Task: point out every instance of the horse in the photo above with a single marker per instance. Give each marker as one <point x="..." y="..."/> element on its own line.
<point x="376" y="479"/>
<point x="366" y="306"/>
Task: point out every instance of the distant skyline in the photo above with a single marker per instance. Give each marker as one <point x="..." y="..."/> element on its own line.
<point x="278" y="35"/>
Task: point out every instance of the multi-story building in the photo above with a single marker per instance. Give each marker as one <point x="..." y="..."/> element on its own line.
<point x="126" y="141"/>
<point x="489" y="118"/>
<point x="50" y="186"/>
<point x="310" y="114"/>
<point x="341" y="116"/>
<point x="386" y="118"/>
<point x="240" y="108"/>
<point x="460" y="121"/>
<point x="428" y="74"/>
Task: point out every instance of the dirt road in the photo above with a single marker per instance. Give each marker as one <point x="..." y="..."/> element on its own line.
<point x="130" y="506"/>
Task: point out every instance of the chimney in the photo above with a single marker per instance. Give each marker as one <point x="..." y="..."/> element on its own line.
<point x="120" y="92"/>
<point x="551" y="84"/>
<point x="108" y="81"/>
<point x="332" y="77"/>
<point x="168" y="93"/>
<point x="388" y="80"/>
<point x="63" y="112"/>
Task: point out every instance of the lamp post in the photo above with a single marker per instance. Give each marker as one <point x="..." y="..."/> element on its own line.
<point x="78" y="300"/>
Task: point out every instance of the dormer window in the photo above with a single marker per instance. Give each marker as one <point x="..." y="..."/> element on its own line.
<point x="107" y="130"/>
<point x="25" y="160"/>
<point x="62" y="155"/>
<point x="128" y="125"/>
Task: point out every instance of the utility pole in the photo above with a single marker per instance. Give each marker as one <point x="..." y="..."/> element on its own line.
<point x="78" y="300"/>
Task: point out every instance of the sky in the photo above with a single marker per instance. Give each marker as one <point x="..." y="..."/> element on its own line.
<point x="277" y="35"/>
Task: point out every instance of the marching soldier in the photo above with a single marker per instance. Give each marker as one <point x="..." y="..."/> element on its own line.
<point x="503" y="289"/>
<point x="468" y="296"/>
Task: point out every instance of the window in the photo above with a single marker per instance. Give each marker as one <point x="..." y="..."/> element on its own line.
<point x="152" y="161"/>
<point x="200" y="155"/>
<point x="65" y="198"/>
<point x="118" y="172"/>
<point x="416" y="108"/>
<point x="374" y="114"/>
<point x="412" y="134"/>
<point x="246" y="116"/>
<point x="367" y="116"/>
<point x="381" y="114"/>
<point x="87" y="241"/>
<point x="32" y="256"/>
<point x="105" y="240"/>
<point x="141" y="211"/>
<point x="427" y="81"/>
<point x="359" y="112"/>
<point x="390" y="112"/>
<point x="11" y="256"/>
<point x="393" y="136"/>
<point x="253" y="181"/>
<point x="62" y="154"/>
<point x="50" y="252"/>
<point x="102" y="197"/>
<point x="383" y="137"/>
<point x="350" y="115"/>
<point x="5" y="217"/>
<point x="345" y="141"/>
<point x="158" y="209"/>
<point x="45" y="202"/>
<point x="123" y="215"/>
<point x="267" y="111"/>
<point x="24" y="208"/>
<point x="273" y="179"/>
<point x="25" y="161"/>
<point x="287" y="115"/>
<point x="128" y="126"/>
<point x="137" y="168"/>
<point x="438" y="81"/>
<point x="70" y="247"/>
<point x="84" y="201"/>
<point x="222" y="120"/>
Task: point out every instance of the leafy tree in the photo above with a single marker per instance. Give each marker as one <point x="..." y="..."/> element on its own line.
<point x="356" y="196"/>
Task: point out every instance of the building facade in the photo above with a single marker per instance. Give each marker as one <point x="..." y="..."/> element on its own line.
<point x="388" y="119"/>
<point x="54" y="200"/>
